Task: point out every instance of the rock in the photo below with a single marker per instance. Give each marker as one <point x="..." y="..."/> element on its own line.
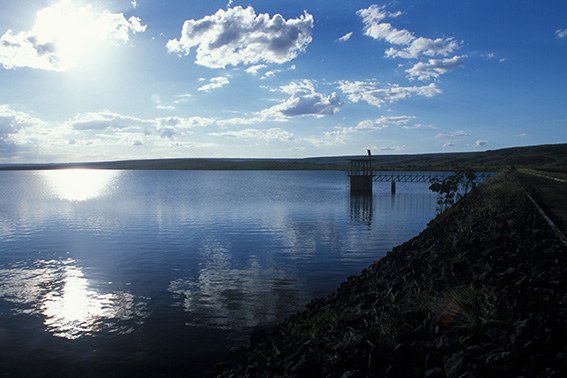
<point x="455" y="365"/>
<point x="352" y="374"/>
<point x="436" y="372"/>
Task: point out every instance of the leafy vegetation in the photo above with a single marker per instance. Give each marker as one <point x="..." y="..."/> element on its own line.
<point x="452" y="188"/>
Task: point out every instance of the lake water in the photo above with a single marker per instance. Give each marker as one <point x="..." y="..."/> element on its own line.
<point x="158" y="273"/>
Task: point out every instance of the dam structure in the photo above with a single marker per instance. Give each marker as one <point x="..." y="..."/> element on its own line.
<point x="362" y="175"/>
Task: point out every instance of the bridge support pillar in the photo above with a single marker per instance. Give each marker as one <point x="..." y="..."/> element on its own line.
<point x="393" y="187"/>
<point x="361" y="184"/>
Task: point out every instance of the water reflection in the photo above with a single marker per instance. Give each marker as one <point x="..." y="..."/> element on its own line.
<point x="227" y="297"/>
<point x="361" y="209"/>
<point x="60" y="293"/>
<point x="79" y="184"/>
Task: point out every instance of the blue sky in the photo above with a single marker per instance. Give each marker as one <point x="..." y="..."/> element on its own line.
<point x="120" y="79"/>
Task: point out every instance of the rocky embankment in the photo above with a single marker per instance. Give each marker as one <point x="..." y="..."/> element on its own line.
<point x="480" y="292"/>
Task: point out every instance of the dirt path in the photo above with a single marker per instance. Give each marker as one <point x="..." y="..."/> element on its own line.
<point x="551" y="194"/>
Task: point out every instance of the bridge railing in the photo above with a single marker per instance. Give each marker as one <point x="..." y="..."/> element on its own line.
<point x="381" y="176"/>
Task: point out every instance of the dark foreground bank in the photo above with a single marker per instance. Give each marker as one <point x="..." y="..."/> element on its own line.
<point x="481" y="291"/>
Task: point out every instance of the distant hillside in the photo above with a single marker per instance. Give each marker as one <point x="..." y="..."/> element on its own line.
<point x="551" y="157"/>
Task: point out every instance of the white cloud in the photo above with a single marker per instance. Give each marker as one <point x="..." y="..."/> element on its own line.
<point x="480" y="143"/>
<point x="11" y="123"/>
<point x="522" y="135"/>
<point x="345" y="37"/>
<point x="341" y="135"/>
<point x="454" y="135"/>
<point x="134" y="3"/>
<point x="165" y="107"/>
<point x="107" y="121"/>
<point x="253" y="70"/>
<point x="214" y="83"/>
<point x="448" y="144"/>
<point x="238" y="36"/>
<point x="373" y="93"/>
<point x="304" y="100"/>
<point x="270" y="74"/>
<point x="561" y="33"/>
<point x="62" y="33"/>
<point x="424" y="46"/>
<point x="374" y="27"/>
<point x="258" y="134"/>
<point x="434" y="68"/>
<point x="383" y="122"/>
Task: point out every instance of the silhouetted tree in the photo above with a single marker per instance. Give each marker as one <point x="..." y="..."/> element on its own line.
<point x="453" y="187"/>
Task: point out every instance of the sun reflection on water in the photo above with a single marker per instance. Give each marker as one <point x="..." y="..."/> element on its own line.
<point x="60" y="293"/>
<point x="79" y="184"/>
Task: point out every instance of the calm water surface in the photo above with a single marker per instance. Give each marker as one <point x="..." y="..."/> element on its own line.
<point x="158" y="273"/>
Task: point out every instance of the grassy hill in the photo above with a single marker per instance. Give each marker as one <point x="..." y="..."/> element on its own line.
<point x="552" y="157"/>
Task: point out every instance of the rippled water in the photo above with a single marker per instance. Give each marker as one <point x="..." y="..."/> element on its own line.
<point x="148" y="273"/>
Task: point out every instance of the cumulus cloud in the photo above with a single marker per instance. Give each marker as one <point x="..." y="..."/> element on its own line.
<point x="374" y="93"/>
<point x="480" y="143"/>
<point x="214" y="83"/>
<point x="273" y="134"/>
<point x="62" y="33"/>
<point x="239" y="36"/>
<point x="410" y="46"/>
<point x="11" y="123"/>
<point x="434" y="68"/>
<point x="345" y="37"/>
<point x="304" y="100"/>
<point x="561" y="33"/>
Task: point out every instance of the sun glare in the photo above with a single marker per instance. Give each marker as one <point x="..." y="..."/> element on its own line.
<point x="80" y="33"/>
<point x="79" y="184"/>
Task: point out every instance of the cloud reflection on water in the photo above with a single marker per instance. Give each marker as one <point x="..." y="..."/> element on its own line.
<point x="59" y="292"/>
<point x="227" y="297"/>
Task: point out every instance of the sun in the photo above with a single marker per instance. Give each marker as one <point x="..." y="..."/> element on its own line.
<point x="75" y="32"/>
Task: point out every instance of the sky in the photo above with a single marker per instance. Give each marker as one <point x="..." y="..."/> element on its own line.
<point x="120" y="79"/>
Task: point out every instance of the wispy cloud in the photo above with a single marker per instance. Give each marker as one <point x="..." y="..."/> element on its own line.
<point x="214" y="83"/>
<point x="253" y="70"/>
<point x="411" y="46"/>
<point x="273" y="134"/>
<point x="345" y="37"/>
<point x="239" y="36"/>
<point x="341" y="135"/>
<point x="374" y="93"/>
<point x="453" y="135"/>
<point x="561" y="33"/>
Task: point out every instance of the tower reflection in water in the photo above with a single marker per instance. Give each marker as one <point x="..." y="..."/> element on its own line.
<point x="361" y="208"/>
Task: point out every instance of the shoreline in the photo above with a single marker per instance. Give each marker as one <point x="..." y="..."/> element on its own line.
<point x="481" y="291"/>
<point x="549" y="157"/>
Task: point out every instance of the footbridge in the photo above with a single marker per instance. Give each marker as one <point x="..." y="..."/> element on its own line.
<point x="394" y="177"/>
